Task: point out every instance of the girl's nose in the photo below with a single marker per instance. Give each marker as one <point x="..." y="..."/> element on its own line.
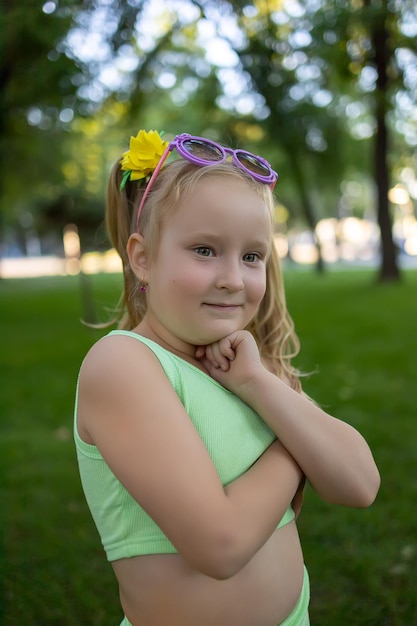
<point x="230" y="276"/>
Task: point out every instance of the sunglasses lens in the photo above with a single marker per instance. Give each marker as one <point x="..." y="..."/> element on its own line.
<point x="251" y="163"/>
<point x="202" y="150"/>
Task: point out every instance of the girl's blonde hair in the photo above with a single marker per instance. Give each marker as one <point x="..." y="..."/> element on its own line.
<point x="272" y="326"/>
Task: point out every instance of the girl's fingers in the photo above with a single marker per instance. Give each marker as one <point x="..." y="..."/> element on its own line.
<point x="212" y="356"/>
<point x="215" y="355"/>
<point x="226" y="349"/>
<point x="218" y="354"/>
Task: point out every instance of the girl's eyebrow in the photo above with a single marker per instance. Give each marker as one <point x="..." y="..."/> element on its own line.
<point x="206" y="235"/>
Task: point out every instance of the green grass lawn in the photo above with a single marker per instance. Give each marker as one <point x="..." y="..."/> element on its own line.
<point x="359" y="339"/>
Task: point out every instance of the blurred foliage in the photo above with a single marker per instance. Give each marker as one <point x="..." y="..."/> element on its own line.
<point x="36" y="82"/>
<point x="297" y="82"/>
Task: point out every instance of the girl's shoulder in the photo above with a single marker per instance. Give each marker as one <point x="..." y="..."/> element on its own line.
<point x="115" y="343"/>
<point x="117" y="376"/>
<point x="118" y="357"/>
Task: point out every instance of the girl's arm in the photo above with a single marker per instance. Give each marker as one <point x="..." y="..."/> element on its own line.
<point x="334" y="457"/>
<point x="129" y="410"/>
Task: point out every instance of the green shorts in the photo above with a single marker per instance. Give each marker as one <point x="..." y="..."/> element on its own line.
<point x="299" y="614"/>
<point x="297" y="617"/>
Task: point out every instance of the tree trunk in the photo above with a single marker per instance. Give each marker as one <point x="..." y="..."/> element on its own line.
<point x="389" y="268"/>
<point x="306" y="205"/>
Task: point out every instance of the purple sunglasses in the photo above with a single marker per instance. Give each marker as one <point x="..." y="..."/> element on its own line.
<point x="201" y="151"/>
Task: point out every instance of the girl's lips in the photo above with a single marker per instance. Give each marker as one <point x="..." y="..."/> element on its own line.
<point x="217" y="305"/>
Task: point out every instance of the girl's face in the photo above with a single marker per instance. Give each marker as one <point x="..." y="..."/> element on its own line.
<point x="209" y="275"/>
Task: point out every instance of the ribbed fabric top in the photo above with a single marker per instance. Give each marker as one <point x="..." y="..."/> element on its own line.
<point x="234" y="435"/>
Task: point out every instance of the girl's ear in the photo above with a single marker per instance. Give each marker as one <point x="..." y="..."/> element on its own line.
<point x="137" y="256"/>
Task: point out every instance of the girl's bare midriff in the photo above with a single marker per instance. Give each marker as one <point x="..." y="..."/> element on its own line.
<point x="162" y="590"/>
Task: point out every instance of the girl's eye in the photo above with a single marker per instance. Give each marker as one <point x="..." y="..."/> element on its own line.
<point x="251" y="257"/>
<point x="204" y="251"/>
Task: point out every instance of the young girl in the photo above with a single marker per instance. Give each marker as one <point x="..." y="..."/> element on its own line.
<point x="193" y="437"/>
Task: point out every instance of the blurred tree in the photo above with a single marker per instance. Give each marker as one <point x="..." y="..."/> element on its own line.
<point x="379" y="57"/>
<point x="309" y="61"/>
<point x="381" y="41"/>
<point x="35" y="87"/>
<point x="44" y="86"/>
<point x="70" y="71"/>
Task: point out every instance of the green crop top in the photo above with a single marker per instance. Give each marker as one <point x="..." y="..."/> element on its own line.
<point x="234" y="435"/>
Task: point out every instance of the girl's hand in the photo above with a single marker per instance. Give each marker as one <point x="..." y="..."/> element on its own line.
<point x="233" y="361"/>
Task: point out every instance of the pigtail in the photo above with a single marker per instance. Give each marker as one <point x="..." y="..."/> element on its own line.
<point x="120" y="223"/>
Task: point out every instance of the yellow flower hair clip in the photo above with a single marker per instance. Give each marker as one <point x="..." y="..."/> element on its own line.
<point x="145" y="152"/>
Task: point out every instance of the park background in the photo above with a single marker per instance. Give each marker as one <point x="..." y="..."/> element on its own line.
<point x="327" y="92"/>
